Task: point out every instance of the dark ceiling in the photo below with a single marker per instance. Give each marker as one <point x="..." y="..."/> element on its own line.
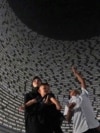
<point x="60" y="19"/>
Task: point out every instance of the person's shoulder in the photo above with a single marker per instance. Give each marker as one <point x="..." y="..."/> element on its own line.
<point x="84" y="91"/>
<point x="51" y="94"/>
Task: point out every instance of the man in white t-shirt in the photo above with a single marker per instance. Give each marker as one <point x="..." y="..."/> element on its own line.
<point x="79" y="109"/>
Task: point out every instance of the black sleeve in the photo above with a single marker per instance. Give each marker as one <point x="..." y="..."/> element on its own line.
<point x="27" y="97"/>
<point x="51" y="95"/>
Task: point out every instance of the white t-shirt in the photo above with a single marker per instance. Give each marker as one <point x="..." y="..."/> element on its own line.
<point x="84" y="117"/>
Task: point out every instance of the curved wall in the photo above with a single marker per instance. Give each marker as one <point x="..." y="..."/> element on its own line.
<point x="25" y="54"/>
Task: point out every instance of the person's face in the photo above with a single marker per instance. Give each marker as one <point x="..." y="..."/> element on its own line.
<point x="36" y="83"/>
<point x="43" y="90"/>
<point x="73" y="93"/>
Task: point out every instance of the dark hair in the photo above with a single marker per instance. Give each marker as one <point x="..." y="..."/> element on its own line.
<point x="36" y="77"/>
<point x="44" y="84"/>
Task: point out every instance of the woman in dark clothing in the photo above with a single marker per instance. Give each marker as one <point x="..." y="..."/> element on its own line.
<point x="32" y="124"/>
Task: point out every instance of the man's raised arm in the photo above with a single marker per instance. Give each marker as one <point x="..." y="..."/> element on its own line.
<point x="79" y="77"/>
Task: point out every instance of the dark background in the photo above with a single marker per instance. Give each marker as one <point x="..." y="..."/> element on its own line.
<point x="60" y="19"/>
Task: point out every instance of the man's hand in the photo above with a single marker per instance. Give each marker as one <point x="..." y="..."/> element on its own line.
<point x="71" y="105"/>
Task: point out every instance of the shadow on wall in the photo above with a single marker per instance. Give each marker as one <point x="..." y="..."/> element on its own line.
<point x="63" y="20"/>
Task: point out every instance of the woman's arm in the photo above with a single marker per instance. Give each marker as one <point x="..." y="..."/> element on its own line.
<point x="27" y="104"/>
<point x="57" y="104"/>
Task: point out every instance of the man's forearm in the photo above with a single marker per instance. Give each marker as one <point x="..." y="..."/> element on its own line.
<point x="69" y="115"/>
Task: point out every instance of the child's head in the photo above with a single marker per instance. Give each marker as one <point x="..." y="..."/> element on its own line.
<point x="47" y="86"/>
<point x="43" y="89"/>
